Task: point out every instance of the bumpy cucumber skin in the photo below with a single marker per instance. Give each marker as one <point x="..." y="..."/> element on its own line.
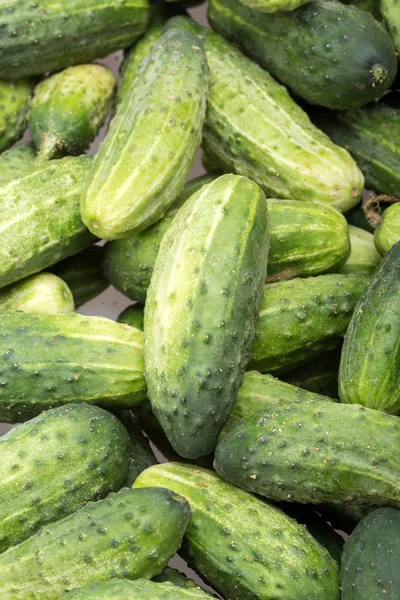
<point x="271" y="6"/>
<point x="388" y="233"/>
<point x="391" y="13"/>
<point x="50" y="360"/>
<point x="301" y="318"/>
<point x="54" y="464"/>
<point x="165" y="112"/>
<point x="133" y="316"/>
<point x="369" y="371"/>
<point x="68" y="109"/>
<point x="41" y="222"/>
<point x="314" y="453"/>
<point x="199" y="333"/>
<point x="327" y="53"/>
<point x="371" y="558"/>
<point x="130" y="534"/>
<point x="17" y="160"/>
<point x="42" y="293"/>
<point x="283" y="152"/>
<point x="319" y="376"/>
<point x="123" y="589"/>
<point x="364" y="257"/>
<point x="244" y="547"/>
<point x="83" y="274"/>
<point x="372" y="136"/>
<point x="141" y="455"/>
<point x="66" y="33"/>
<point x="14" y="106"/>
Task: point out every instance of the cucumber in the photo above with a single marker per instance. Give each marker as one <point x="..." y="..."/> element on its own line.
<point x="41" y="223"/>
<point x="69" y="108"/>
<point x="319" y="376"/>
<point x="175" y="577"/>
<point x="14" y="106"/>
<point x="369" y="371"/>
<point x="391" y="13"/>
<point x="301" y="318"/>
<point x="358" y="218"/>
<point x="272" y="6"/>
<point x="372" y="6"/>
<point x="83" y="274"/>
<point x="364" y="257"/>
<point x="199" y="320"/>
<point x="41" y="293"/>
<point x="285" y="154"/>
<point x="130" y="534"/>
<point x="236" y="541"/>
<point x="388" y="232"/>
<point x="50" y="360"/>
<point x="17" y="160"/>
<point x="371" y="557"/>
<point x="132" y="316"/>
<point x="372" y="136"/>
<point x="165" y="111"/>
<point x="327" y="53"/>
<point x="123" y="589"/>
<point x="66" y="32"/>
<point x="314" y="453"/>
<point x="54" y="464"/>
<point x="141" y="456"/>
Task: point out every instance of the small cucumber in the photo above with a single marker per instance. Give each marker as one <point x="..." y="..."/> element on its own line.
<point x="130" y="534"/>
<point x="133" y="316"/>
<point x="388" y="232"/>
<point x="54" y="464"/>
<point x="157" y="127"/>
<point x="17" y="160"/>
<point x="319" y="376"/>
<point x="364" y="257"/>
<point x="271" y="6"/>
<point x="236" y="541"/>
<point x="141" y="589"/>
<point x="50" y="360"/>
<point x="301" y="318"/>
<point x="199" y="321"/>
<point x="357" y="217"/>
<point x="141" y="455"/>
<point x="41" y="293"/>
<point x="14" y="106"/>
<point x="175" y="577"/>
<point x="391" y="13"/>
<point x="68" y="109"/>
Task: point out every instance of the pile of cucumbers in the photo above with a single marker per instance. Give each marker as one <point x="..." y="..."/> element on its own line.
<point x="243" y="411"/>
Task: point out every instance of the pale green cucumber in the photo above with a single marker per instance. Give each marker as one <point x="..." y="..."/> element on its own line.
<point x="388" y="232"/>
<point x="16" y="160"/>
<point x="391" y="13"/>
<point x="364" y="257"/>
<point x="41" y="293"/>
<point x="271" y="6"/>
<point x="123" y="589"/>
<point x="14" y="106"/>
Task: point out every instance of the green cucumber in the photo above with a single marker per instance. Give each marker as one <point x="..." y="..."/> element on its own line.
<point x="43" y="293"/>
<point x="357" y="217"/>
<point x="83" y="274"/>
<point x="41" y="222"/>
<point x="369" y="369"/>
<point x="130" y="534"/>
<point x="372" y="6"/>
<point x="14" y="106"/>
<point x="50" y="360"/>
<point x="165" y="112"/>
<point x="364" y="257"/>
<point x="17" y="160"/>
<point x="283" y="152"/>
<point x="388" y="232"/>
<point x="327" y="53"/>
<point x="67" y="32"/>
<point x="68" y="109"/>
<point x="133" y="316"/>
<point x="54" y="464"/>
<point x="199" y="320"/>
<point x="319" y="376"/>
<point x="141" y="456"/>
<point x="315" y="453"/>
<point x="123" y="589"/>
<point x="391" y="13"/>
<point x="272" y="6"/>
<point x="176" y="577"/>
<point x="244" y="547"/>
<point x="301" y="318"/>
<point x="371" y="558"/>
<point x="372" y="136"/>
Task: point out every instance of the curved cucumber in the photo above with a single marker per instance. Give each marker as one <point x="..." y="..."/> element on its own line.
<point x="54" y="464"/>
<point x="41" y="293"/>
<point x="301" y="318"/>
<point x="388" y="232"/>
<point x="141" y="455"/>
<point x="133" y="316"/>
<point x="122" y="589"/>
<point x="16" y="160"/>
<point x="391" y="13"/>
<point x="199" y="321"/>
<point x="236" y="541"/>
<point x="319" y="376"/>
<point x="67" y="32"/>
<point x="49" y="360"/>
<point x="364" y="257"/>
<point x="130" y="534"/>
<point x="165" y="111"/>
<point x="14" y="106"/>
<point x="328" y="53"/>
<point x="271" y="6"/>
<point x="69" y="108"/>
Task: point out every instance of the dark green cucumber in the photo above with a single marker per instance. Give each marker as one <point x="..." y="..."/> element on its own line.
<point x="388" y="232"/>
<point x="123" y="589"/>
<point x="357" y="217"/>
<point x="328" y="53"/>
<point x="314" y="453"/>
<point x="67" y="32"/>
<point x="244" y="547"/>
<point x="41" y="222"/>
<point x="282" y="151"/>
<point x="301" y="318"/>
<point x="319" y="376"/>
<point x="141" y="455"/>
<point x="17" y="160"/>
<point x="364" y="257"/>
<point x="14" y="106"/>
<point x="391" y="13"/>
<point x="372" y="136"/>
<point x="369" y="367"/>
<point x="165" y="111"/>
<point x="372" y="6"/>
<point x="133" y="316"/>
<point x="130" y="534"/>
<point x="54" y="464"/>
<point x="83" y="274"/>
<point x="43" y="293"/>
<point x="199" y="320"/>
<point x="69" y="108"/>
<point x="371" y="558"/>
<point x="175" y="577"/>
<point x="50" y="360"/>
